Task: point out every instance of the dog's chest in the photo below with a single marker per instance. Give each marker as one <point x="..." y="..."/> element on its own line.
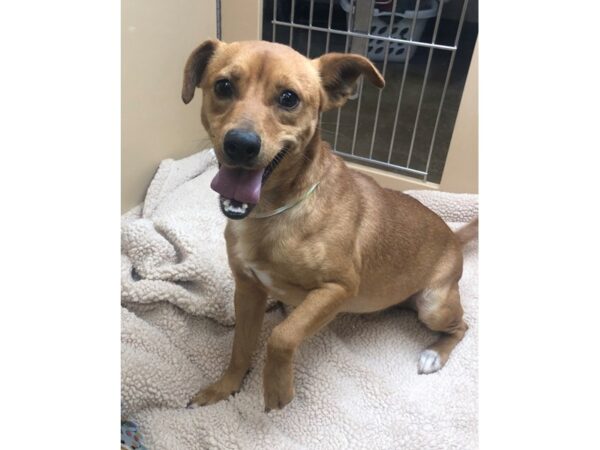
<point x="273" y="260"/>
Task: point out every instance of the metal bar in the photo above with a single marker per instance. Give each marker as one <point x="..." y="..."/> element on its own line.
<point x="360" y="87"/>
<point x="369" y="36"/>
<point x="399" y="102"/>
<point x="448" y="74"/>
<point x="427" y="67"/>
<point x="274" y="18"/>
<point x="310" y="21"/>
<point x="385" y="59"/>
<point x="218" y="8"/>
<point x="379" y="163"/>
<point x="291" y="21"/>
<point x="327" y="44"/>
<point x="329" y="26"/>
<point x="339" y="113"/>
<point x="356" y="116"/>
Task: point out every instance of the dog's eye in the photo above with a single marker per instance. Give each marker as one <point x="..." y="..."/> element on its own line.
<point x="224" y="89"/>
<point x="288" y="99"/>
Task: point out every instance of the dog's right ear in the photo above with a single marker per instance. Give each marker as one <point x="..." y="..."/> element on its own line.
<point x="195" y="67"/>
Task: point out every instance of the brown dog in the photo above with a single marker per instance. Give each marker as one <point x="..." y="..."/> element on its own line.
<point x="341" y="243"/>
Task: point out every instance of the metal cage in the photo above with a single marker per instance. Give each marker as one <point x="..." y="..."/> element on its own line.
<point x="396" y="128"/>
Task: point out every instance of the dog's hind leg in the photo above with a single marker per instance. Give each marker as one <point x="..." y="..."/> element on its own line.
<point x="440" y="310"/>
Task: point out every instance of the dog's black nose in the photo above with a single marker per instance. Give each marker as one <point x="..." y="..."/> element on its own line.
<point x="241" y="146"/>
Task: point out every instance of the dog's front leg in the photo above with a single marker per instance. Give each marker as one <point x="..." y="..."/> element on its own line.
<point x="250" y="302"/>
<point x="318" y="308"/>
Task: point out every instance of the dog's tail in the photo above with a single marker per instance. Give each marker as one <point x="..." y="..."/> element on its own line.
<point x="468" y="232"/>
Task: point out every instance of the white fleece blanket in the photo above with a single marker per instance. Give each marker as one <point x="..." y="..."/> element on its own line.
<point x="356" y="381"/>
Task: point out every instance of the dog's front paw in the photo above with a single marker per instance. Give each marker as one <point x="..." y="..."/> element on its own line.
<point x="214" y="393"/>
<point x="278" y="387"/>
<point x="277" y="398"/>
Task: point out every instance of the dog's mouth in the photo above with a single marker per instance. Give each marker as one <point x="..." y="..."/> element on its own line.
<point x="239" y="188"/>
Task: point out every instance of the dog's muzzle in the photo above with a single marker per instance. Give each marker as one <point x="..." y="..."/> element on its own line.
<point x="240" y="188"/>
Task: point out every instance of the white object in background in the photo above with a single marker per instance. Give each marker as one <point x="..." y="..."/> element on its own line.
<point x="401" y="28"/>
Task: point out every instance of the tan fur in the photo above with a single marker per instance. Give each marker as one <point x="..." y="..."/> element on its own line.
<point x="350" y="247"/>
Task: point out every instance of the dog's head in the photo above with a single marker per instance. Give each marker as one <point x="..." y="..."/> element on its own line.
<point x="260" y="106"/>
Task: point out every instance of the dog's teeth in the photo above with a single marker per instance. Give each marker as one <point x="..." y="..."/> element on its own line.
<point x="241" y="209"/>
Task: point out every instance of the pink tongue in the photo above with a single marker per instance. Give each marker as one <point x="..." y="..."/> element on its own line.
<point x="238" y="184"/>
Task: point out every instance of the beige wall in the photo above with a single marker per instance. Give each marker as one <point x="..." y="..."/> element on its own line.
<point x="461" y="171"/>
<point x="241" y="20"/>
<point x="157" y="37"/>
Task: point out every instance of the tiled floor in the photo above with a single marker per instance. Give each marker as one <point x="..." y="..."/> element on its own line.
<point x="389" y="98"/>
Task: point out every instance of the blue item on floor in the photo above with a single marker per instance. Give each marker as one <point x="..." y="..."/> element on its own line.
<point x="131" y="439"/>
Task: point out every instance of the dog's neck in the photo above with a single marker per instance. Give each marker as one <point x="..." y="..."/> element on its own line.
<point x="296" y="174"/>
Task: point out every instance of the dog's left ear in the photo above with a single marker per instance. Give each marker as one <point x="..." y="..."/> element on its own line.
<point x="339" y="72"/>
<point x="195" y="67"/>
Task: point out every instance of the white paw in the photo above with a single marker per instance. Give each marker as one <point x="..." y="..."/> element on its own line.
<point x="429" y="361"/>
